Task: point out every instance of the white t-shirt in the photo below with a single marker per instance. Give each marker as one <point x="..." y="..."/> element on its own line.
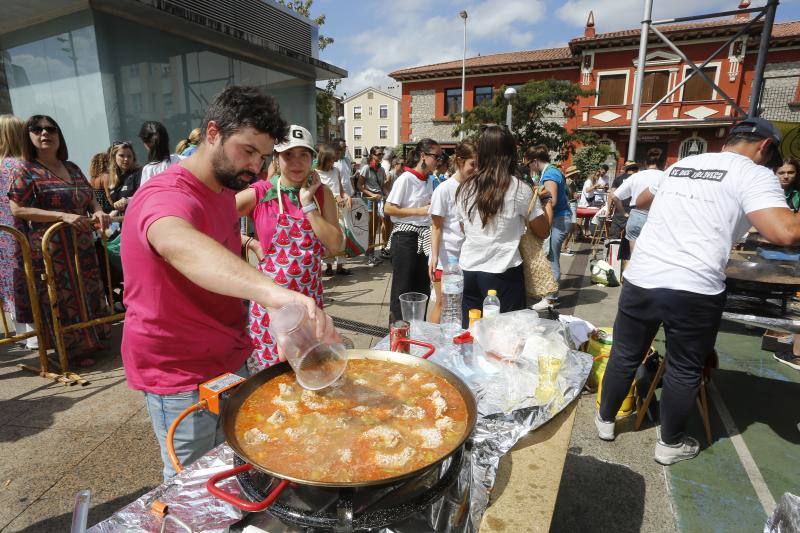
<point x="602" y="181"/>
<point x="495" y="248"/>
<point x="638" y="183"/>
<point x="443" y="205"/>
<point x="386" y="166"/>
<point x="586" y="197"/>
<point x="331" y="179"/>
<point x="697" y="215"/>
<point x="152" y="169"/>
<point x="345" y="171"/>
<point x="410" y="191"/>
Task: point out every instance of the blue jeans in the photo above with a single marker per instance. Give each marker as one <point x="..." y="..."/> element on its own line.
<point x="195" y="435"/>
<point x="636" y="220"/>
<point x="558" y="234"/>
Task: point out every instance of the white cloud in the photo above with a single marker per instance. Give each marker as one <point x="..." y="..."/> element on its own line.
<point x="417" y="38"/>
<point x="626" y="14"/>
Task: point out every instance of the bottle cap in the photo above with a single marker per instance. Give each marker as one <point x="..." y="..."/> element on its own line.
<point x="474" y="313"/>
<point x="492" y="292"/>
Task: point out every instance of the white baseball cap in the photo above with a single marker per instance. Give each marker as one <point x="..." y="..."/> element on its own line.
<point x="298" y="136"/>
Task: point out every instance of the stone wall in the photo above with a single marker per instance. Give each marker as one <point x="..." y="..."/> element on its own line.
<point x="780" y="88"/>
<point x="423" y="109"/>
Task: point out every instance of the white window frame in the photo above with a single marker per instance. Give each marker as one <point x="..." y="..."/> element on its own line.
<point x="383" y="132"/>
<point x="627" y="73"/>
<point x="685" y="71"/>
<point x="358" y="133"/>
<point x="684" y="147"/>
<point x="357" y="112"/>
<point x="357" y="152"/>
<point x="381" y="109"/>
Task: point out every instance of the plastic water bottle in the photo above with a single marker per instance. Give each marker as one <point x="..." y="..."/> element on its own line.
<point x="452" y="292"/>
<point x="491" y="304"/>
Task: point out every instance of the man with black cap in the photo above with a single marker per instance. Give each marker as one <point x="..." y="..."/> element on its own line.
<point x="620" y="217"/>
<point x="676" y="277"/>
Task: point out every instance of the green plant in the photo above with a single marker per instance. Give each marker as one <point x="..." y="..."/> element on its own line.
<point x="589" y="157"/>
<point x="538" y="111"/>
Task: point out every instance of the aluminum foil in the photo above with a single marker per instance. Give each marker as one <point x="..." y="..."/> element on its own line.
<point x="786" y="517"/>
<point x="508" y="409"/>
<point x="187" y="499"/>
<point x="788" y="325"/>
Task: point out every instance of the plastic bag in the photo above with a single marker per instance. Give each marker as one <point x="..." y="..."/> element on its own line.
<point x="603" y="273"/>
<point x="786" y="517"/>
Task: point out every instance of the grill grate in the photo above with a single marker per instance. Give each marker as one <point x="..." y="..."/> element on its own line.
<point x="360" y="327"/>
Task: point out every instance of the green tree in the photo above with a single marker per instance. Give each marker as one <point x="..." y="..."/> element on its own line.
<point x="303" y="7"/>
<point x="589" y="157"/>
<point x="536" y="115"/>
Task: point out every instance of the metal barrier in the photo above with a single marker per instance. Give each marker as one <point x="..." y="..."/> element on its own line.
<point x="375" y="236"/>
<point x="49" y="277"/>
<point x="33" y="294"/>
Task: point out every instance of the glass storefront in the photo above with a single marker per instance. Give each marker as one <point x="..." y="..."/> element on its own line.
<point x="101" y="76"/>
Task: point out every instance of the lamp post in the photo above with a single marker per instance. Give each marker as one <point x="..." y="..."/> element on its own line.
<point x="509" y="95"/>
<point x="463" y="15"/>
<point x="340" y="120"/>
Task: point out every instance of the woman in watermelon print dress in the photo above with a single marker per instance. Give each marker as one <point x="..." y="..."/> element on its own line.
<point x="296" y="221"/>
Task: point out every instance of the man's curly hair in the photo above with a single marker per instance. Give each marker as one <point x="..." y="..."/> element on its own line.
<point x="238" y="107"/>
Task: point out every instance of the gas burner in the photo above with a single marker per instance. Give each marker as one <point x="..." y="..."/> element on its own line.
<point x="353" y="509"/>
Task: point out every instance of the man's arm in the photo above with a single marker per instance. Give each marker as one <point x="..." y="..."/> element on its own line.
<point x="213" y="267"/>
<point x="778" y="225"/>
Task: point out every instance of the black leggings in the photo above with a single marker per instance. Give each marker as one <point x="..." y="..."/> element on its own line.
<point x="510" y="287"/>
<point x="409" y="271"/>
<point x="691" y="322"/>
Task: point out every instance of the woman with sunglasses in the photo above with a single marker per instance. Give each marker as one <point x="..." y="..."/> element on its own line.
<point x="407" y="205"/>
<point x="48" y="189"/>
<point x="496" y="208"/>
<point x="124" y="175"/>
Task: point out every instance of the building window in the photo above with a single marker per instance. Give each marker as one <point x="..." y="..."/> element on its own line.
<point x="655" y="86"/>
<point x="452" y="101"/>
<point x="384" y="132"/>
<point x="384" y="111"/>
<point x="357" y="153"/>
<point x="358" y="132"/>
<point x="370" y="95"/>
<point x="692" y="146"/>
<point x="134" y="71"/>
<point x="696" y="88"/>
<point x="482" y="94"/>
<point x="357" y="112"/>
<point x="370" y="110"/>
<point x="611" y="89"/>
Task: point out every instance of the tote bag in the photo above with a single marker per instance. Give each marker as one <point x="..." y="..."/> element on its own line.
<point x="539" y="280"/>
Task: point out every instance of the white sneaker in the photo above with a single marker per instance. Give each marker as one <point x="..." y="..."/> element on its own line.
<point x="567" y="253"/>
<point x="667" y="454"/>
<point x="605" y="430"/>
<point x="542" y="305"/>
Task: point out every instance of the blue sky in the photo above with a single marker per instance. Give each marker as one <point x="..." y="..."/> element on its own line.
<point x="374" y="37"/>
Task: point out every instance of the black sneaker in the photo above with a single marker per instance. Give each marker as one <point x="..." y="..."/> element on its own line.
<point x="341" y="271"/>
<point x="373" y="261"/>
<point x="787" y="357"/>
<point x="329" y="270"/>
<point x="386" y="254"/>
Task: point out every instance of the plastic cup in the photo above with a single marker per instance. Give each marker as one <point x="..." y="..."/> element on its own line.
<point x="316" y="365"/>
<point x="412" y="307"/>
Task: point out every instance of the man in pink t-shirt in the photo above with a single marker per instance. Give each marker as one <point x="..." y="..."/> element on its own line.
<point x="185" y="282"/>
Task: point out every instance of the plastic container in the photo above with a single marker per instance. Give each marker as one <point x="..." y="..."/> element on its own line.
<point x="474" y="315"/>
<point x="452" y="294"/>
<point x="316" y="365"/>
<point x="491" y="304"/>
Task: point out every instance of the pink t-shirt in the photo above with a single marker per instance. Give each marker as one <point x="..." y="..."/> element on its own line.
<point x="177" y="334"/>
<point x="265" y="214"/>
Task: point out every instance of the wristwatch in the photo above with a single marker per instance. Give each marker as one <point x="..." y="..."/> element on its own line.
<point x="309" y="208"/>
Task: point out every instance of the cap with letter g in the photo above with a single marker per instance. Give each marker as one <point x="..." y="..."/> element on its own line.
<point x="298" y="136"/>
<point x="766" y="130"/>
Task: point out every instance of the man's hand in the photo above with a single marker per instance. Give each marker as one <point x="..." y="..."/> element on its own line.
<point x="324" y="329"/>
<point x="255" y="246"/>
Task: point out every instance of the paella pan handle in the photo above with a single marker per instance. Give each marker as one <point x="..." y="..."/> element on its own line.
<point x="431" y="348"/>
<point x="242" y="504"/>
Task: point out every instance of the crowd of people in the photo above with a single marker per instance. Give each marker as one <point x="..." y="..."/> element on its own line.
<point x="181" y="239"/>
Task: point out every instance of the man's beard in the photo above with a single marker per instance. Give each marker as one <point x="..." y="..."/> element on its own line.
<point x="229" y="177"/>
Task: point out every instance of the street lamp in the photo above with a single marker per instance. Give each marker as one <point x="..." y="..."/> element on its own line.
<point x="509" y="95"/>
<point x="463" y="15"/>
<point x="340" y="120"/>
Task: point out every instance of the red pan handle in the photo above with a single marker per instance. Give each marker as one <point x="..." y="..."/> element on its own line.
<point x="431" y="348"/>
<point x="244" y="505"/>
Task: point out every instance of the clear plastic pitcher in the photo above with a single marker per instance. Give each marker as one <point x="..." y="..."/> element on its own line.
<point x="316" y="365"/>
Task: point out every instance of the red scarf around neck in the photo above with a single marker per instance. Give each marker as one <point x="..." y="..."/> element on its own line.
<point x="419" y="176"/>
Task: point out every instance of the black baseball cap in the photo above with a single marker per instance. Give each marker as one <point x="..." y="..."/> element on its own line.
<point x="762" y="128"/>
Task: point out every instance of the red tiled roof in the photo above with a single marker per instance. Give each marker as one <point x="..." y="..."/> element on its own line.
<point x="568" y="55"/>
<point x="492" y="60"/>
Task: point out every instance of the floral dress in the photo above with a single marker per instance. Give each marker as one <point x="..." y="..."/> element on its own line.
<point x="7" y="242"/>
<point x="33" y="185"/>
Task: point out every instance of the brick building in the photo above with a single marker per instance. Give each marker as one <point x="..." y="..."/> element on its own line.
<point x="695" y="119"/>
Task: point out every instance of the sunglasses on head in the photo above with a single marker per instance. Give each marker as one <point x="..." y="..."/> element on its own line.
<point x="127" y="144"/>
<point x="37" y="130"/>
